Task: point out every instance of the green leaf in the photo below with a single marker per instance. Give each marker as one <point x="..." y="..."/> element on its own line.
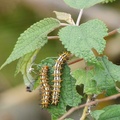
<point x="81" y="4"/>
<point x="68" y="94"/>
<point x="33" y="38"/>
<point x="80" y="40"/>
<point x="106" y="77"/>
<point x="24" y="66"/>
<point x="96" y="114"/>
<point x="107" y="1"/>
<point x="111" y="91"/>
<point x="86" y="78"/>
<point x="111" y="113"/>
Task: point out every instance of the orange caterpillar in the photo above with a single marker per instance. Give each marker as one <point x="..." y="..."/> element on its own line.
<point x="45" y="87"/>
<point x="57" y="77"/>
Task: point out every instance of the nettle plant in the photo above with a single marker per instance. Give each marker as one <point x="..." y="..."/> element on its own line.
<point x="54" y="76"/>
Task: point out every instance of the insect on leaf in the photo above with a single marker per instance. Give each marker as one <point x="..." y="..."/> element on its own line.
<point x="68" y="93"/>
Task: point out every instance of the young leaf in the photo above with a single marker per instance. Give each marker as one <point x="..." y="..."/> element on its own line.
<point x="110" y="113"/>
<point x="68" y="94"/>
<point x="64" y="16"/>
<point x="81" y="4"/>
<point x="106" y="77"/>
<point x="24" y="66"/>
<point x="33" y="38"/>
<point x="86" y="78"/>
<point x="80" y="40"/>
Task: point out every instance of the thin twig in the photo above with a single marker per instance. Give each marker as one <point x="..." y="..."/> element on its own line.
<point x="75" y="61"/>
<point x="53" y="37"/>
<point x="89" y="104"/>
<point x="113" y="32"/>
<point x="64" y="24"/>
<point x="79" y="17"/>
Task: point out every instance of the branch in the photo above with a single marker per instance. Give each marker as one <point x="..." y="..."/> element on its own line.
<point x="89" y="104"/>
<point x="75" y="61"/>
<point x="112" y="33"/>
<point x="52" y="37"/>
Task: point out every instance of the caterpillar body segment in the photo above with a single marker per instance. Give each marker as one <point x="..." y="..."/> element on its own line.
<point x="57" y="77"/>
<point x="45" y="101"/>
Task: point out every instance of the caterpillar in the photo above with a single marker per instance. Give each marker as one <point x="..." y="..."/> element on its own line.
<point x="45" y="86"/>
<point x="57" y="77"/>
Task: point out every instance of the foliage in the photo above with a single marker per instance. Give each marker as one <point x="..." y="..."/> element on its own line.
<point x="111" y="112"/>
<point x="85" y="41"/>
<point x="33" y="38"/>
<point x="79" y="40"/>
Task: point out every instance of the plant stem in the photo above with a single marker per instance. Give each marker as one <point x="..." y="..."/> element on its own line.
<point x="53" y="37"/>
<point x="64" y="24"/>
<point x="111" y="33"/>
<point x="79" y="17"/>
<point x="85" y="111"/>
<point x="78" y="60"/>
<point x="89" y="104"/>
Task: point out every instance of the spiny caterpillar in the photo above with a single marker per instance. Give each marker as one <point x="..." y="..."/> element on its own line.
<point x="45" y="87"/>
<point x="57" y="77"/>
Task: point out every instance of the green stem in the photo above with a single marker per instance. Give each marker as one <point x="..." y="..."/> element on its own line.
<point x="85" y="111"/>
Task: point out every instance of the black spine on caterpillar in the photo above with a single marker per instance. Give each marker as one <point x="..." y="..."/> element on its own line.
<point x="57" y="77"/>
<point x="45" y="87"/>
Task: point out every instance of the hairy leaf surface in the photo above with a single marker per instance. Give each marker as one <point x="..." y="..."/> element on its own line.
<point x="96" y="114"/>
<point x="33" y="38"/>
<point x="68" y="94"/>
<point x="86" y="78"/>
<point x="80" y="40"/>
<point x="111" y="113"/>
<point x="106" y="77"/>
<point x="80" y="4"/>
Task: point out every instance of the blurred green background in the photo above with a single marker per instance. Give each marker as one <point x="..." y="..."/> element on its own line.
<point x="17" y="15"/>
